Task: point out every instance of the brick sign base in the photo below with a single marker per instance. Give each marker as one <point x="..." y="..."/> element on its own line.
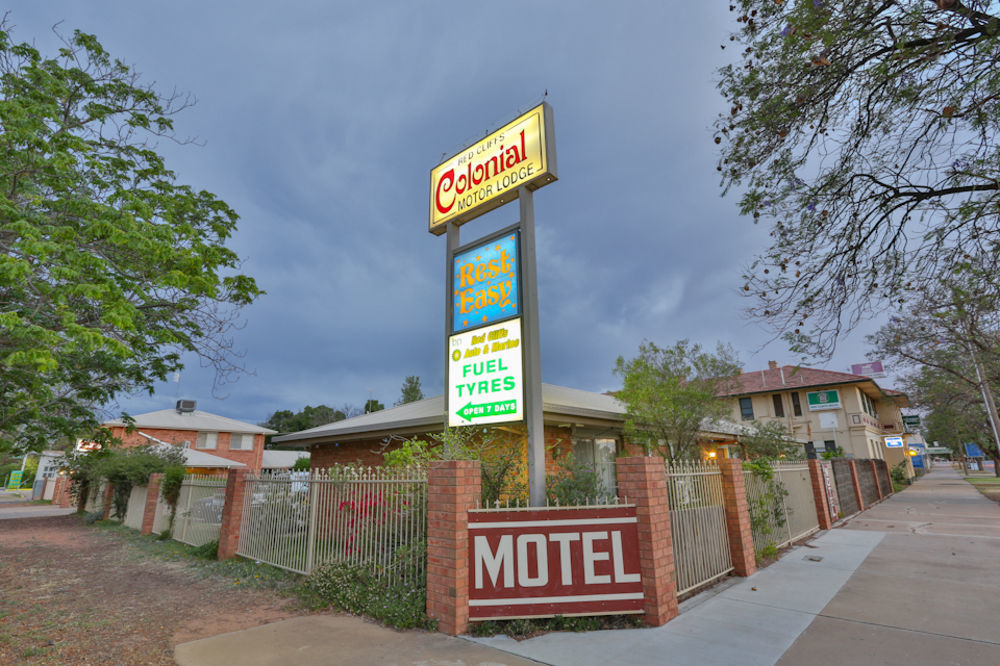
<point x="546" y="562"/>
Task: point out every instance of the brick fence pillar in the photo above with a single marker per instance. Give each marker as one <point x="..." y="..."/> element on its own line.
<point x="819" y="494"/>
<point x="152" y="498"/>
<point x="60" y="497"/>
<point x="453" y="487"/>
<point x="857" y="485"/>
<point x="734" y="498"/>
<point x="232" y="513"/>
<point x="878" y="484"/>
<point x="642" y="480"/>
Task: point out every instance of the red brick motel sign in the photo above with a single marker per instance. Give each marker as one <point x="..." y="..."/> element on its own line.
<point x="526" y="563"/>
<point x="511" y="163"/>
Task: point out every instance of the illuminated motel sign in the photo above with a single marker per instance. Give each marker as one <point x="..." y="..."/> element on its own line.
<point x="488" y="174"/>
<point x="493" y="366"/>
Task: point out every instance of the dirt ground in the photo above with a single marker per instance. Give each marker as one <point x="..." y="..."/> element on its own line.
<point x="75" y="594"/>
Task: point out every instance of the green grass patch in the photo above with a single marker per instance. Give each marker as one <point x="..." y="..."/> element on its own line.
<point x="983" y="480"/>
<point x="237" y="571"/>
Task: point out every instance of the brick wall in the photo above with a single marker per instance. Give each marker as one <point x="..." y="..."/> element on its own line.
<point x="734" y="498"/>
<point x="251" y="458"/>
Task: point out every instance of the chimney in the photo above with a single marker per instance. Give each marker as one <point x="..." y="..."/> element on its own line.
<point x="772" y="365"/>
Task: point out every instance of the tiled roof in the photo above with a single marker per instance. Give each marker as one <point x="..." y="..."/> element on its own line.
<point x="789" y="377"/>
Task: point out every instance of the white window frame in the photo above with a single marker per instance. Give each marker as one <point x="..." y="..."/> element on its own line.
<point x="245" y="439"/>
<point x="207" y="441"/>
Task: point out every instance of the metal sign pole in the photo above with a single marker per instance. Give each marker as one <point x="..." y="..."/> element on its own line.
<point x="532" y="352"/>
<point x="453" y="235"/>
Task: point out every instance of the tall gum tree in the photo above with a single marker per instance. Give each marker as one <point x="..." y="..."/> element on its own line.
<point x="865" y="134"/>
<point x="110" y="269"/>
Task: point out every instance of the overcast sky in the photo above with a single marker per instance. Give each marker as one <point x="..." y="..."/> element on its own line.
<point x="320" y="121"/>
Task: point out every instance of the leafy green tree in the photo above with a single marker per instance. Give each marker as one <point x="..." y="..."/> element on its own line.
<point x="373" y="405"/>
<point x="866" y="135"/>
<point x="110" y="269"/>
<point x="669" y="394"/>
<point x="286" y="421"/>
<point x="948" y="341"/>
<point x="768" y="440"/>
<point x="411" y="391"/>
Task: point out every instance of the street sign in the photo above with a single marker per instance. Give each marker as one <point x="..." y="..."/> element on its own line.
<point x="14" y="482"/>
<point x="911" y="423"/>
<point x="485" y="379"/>
<point x="894" y="442"/>
<point x="821" y="400"/>
<point x="486" y="283"/>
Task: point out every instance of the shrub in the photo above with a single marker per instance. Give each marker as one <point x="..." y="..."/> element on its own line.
<point x="575" y="484"/>
<point x="358" y="590"/>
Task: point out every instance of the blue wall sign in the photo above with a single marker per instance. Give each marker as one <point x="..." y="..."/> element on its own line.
<point x="485" y="283"/>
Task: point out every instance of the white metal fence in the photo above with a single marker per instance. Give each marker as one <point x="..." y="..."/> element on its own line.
<point x="697" y="524"/>
<point x="199" y="509"/>
<point x="782" y="508"/>
<point x="372" y="517"/>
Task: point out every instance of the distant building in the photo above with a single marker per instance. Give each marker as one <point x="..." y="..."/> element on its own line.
<point x="199" y="431"/>
<point x="582" y="423"/>
<point x="827" y="409"/>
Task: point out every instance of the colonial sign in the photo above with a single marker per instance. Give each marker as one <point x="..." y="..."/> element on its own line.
<point x="485" y="383"/>
<point x="487" y="174"/>
<point x="822" y="400"/>
<point x="485" y="280"/>
<point x="894" y="442"/>
<point x="540" y="563"/>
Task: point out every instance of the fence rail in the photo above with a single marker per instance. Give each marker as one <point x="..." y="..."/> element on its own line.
<point x="697" y="524"/>
<point x="136" y="507"/>
<point x="372" y="517"/>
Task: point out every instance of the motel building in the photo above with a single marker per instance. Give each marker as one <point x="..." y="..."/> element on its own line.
<point x="588" y="425"/>
<point x="825" y="409"/>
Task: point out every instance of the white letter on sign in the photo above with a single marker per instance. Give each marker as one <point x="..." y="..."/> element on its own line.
<point x="565" y="561"/>
<point x="504" y="557"/>
<point x="541" y="556"/>
<point x="590" y="557"/>
<point x="619" y="561"/>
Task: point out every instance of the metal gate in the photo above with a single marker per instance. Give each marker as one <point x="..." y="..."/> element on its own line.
<point x="697" y="524"/>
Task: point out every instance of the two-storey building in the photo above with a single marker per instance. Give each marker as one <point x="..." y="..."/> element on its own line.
<point x="827" y="409"/>
<point x="189" y="427"/>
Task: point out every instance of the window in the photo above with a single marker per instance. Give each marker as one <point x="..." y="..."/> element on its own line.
<point x="599" y="455"/>
<point x="796" y="405"/>
<point x="779" y="408"/>
<point x="746" y="409"/>
<point x="241" y="441"/>
<point x="207" y="440"/>
<point x="868" y="405"/>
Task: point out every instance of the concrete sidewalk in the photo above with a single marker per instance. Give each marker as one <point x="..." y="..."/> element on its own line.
<point x="910" y="581"/>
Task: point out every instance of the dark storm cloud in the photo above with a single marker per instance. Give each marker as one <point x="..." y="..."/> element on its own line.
<point x="320" y="123"/>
